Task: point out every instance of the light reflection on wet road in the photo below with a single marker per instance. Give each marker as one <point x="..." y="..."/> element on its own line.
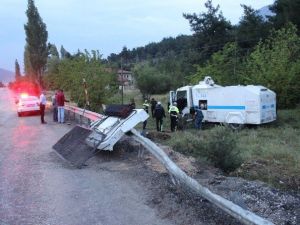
<point x="38" y="188"/>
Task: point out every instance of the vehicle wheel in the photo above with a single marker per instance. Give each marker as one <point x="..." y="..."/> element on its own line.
<point x="235" y="121"/>
<point x="235" y="126"/>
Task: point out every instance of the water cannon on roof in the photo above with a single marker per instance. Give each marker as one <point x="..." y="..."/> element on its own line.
<point x="208" y="81"/>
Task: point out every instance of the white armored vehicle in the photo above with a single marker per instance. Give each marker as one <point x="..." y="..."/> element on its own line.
<point x="233" y="105"/>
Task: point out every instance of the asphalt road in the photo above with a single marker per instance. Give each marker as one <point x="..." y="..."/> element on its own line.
<point x="38" y="188"/>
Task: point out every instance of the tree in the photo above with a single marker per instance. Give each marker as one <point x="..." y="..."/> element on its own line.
<point x="53" y="50"/>
<point x="27" y="64"/>
<point x="212" y="30"/>
<point x="275" y="63"/>
<point x="64" y="53"/>
<point x="17" y="71"/>
<point x="286" y="11"/>
<point x="36" y="41"/>
<point x="71" y="72"/>
<point x="53" y="60"/>
<point x="224" y="66"/>
<point x="251" y="29"/>
<point x="150" y="80"/>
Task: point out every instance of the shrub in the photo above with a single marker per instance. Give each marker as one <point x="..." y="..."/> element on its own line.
<point x="187" y="143"/>
<point x="221" y="149"/>
<point x="218" y="145"/>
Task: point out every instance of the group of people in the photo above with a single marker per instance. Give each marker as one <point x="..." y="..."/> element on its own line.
<point x="58" y="102"/>
<point x="158" y="112"/>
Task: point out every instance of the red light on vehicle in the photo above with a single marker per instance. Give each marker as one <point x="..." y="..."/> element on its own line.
<point x="24" y="95"/>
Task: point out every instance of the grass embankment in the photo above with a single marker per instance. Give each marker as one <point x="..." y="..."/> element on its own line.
<point x="269" y="153"/>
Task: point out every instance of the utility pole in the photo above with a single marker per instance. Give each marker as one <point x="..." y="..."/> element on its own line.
<point x="235" y="60"/>
<point x="87" y="103"/>
<point x="122" y="80"/>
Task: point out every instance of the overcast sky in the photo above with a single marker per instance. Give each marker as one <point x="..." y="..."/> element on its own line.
<point x="104" y="25"/>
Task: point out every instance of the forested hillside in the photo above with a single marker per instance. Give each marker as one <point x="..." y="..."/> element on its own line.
<point x="258" y="50"/>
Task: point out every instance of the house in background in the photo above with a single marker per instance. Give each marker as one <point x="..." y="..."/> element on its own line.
<point x="126" y="77"/>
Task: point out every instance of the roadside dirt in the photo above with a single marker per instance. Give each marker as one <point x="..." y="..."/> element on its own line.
<point x="281" y="178"/>
<point x="183" y="207"/>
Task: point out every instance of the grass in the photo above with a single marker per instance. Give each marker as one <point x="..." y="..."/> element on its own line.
<point x="269" y="153"/>
<point x="277" y="149"/>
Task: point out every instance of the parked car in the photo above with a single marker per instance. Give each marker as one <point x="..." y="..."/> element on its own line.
<point x="28" y="104"/>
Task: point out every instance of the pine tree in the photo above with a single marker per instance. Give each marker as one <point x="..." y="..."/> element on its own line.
<point x="64" y="53"/>
<point x="212" y="30"/>
<point x="286" y="11"/>
<point x="36" y="42"/>
<point x="53" y="52"/>
<point x="27" y="65"/>
<point x="17" y="71"/>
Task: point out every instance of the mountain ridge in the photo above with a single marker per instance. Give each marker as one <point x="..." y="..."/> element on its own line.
<point x="264" y="12"/>
<point x="6" y="76"/>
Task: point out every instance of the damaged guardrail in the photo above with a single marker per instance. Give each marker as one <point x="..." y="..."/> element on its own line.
<point x="82" y="113"/>
<point x="178" y="176"/>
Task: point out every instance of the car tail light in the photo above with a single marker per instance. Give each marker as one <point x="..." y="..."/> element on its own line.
<point x="24" y="95"/>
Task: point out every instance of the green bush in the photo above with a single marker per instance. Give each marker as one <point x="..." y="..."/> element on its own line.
<point x="218" y="145"/>
<point x="187" y="143"/>
<point x="221" y="149"/>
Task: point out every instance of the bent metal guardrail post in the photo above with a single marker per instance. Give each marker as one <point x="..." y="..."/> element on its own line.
<point x="181" y="177"/>
<point x="232" y="209"/>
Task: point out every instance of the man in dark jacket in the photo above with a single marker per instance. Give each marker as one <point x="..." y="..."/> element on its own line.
<point x="198" y="118"/>
<point x="159" y="114"/>
<point x="54" y="106"/>
<point x="153" y="103"/>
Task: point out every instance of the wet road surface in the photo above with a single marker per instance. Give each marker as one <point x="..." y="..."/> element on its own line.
<point x="38" y="188"/>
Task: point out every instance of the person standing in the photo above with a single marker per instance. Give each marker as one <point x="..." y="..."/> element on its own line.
<point x="159" y="114"/>
<point x="198" y="118"/>
<point x="60" y="101"/>
<point x="153" y="103"/>
<point x="54" y="105"/>
<point x="174" y="111"/>
<point x="132" y="103"/>
<point x="43" y="103"/>
<point x="146" y="108"/>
